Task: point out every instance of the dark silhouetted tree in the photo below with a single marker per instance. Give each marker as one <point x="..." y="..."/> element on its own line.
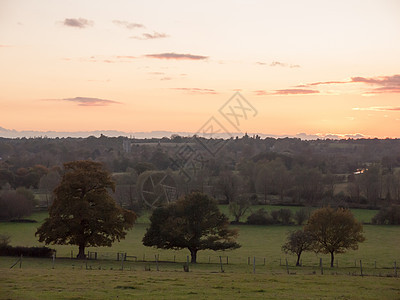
<point x="297" y="242"/>
<point x="83" y="212"/>
<point x="193" y="222"/>
<point x="334" y="231"/>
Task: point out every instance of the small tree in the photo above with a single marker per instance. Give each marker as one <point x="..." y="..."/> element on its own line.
<point x="83" y="212"/>
<point x="193" y="222"/>
<point x="334" y="231"/>
<point x="297" y="242"/>
<point x="238" y="208"/>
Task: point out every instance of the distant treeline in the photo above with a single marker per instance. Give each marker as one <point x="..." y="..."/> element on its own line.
<point x="352" y="172"/>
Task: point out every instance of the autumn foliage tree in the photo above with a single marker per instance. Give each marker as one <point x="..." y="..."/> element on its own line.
<point x="193" y="222"/>
<point x="83" y="212"/>
<point x="334" y="231"/>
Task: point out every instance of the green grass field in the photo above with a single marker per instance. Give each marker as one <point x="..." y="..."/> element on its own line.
<point x="103" y="279"/>
<point x="114" y="284"/>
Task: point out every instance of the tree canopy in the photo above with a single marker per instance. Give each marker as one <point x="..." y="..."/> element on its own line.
<point x="334" y="231"/>
<point x="193" y="222"/>
<point x="297" y="242"/>
<point x="83" y="212"/>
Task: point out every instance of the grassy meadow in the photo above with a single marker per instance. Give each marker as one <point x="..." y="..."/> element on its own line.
<point x="104" y="279"/>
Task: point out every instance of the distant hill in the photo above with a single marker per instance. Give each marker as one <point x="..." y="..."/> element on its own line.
<point x="11" y="133"/>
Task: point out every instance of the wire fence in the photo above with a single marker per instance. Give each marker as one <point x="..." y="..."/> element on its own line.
<point x="213" y="263"/>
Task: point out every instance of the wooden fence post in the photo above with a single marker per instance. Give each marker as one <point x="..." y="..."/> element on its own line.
<point x="361" y="270"/>
<point x="395" y="269"/>
<point x="320" y="265"/>
<point x="254" y="265"/>
<point x="287" y="266"/>
<point x="220" y="262"/>
<point x="156" y="257"/>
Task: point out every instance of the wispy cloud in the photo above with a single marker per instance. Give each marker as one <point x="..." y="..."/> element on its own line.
<point x="197" y="90"/>
<point x="103" y="59"/>
<point x="323" y="83"/>
<point x="176" y="56"/>
<point x="286" y="92"/>
<point x="79" y="23"/>
<point x="385" y="84"/>
<point x="378" y="108"/>
<point x="86" y="101"/>
<point x="150" y="36"/>
<point x="128" y="25"/>
<point x="277" y="64"/>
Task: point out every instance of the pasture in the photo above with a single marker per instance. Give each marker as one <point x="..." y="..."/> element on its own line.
<point x="261" y="251"/>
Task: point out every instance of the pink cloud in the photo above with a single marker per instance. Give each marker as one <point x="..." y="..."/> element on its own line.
<point x="128" y="25"/>
<point x="176" y="56"/>
<point x="86" y="101"/>
<point x="197" y="90"/>
<point x="150" y="36"/>
<point x="385" y="84"/>
<point x="286" y="92"/>
<point x="79" y="23"/>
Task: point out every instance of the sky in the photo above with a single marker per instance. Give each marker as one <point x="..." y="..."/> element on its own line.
<point x="274" y="67"/>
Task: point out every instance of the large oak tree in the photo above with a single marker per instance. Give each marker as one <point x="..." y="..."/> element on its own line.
<point x="193" y="222"/>
<point x="334" y="231"/>
<point x="83" y="212"/>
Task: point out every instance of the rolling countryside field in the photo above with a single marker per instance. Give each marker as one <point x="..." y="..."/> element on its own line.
<point x="257" y="270"/>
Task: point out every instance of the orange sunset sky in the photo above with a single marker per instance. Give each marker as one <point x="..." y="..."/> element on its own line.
<point x="315" y="67"/>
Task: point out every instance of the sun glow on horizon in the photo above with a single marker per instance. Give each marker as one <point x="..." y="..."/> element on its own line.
<point x="142" y="67"/>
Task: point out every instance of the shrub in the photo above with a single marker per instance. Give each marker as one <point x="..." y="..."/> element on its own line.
<point x="285" y="216"/>
<point x="4" y="240"/>
<point x="15" y="205"/>
<point x="387" y="216"/>
<point x="259" y="217"/>
<point x="301" y="216"/>
<point x="7" y="250"/>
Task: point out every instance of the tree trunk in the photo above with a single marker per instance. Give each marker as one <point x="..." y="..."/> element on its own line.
<point x="332" y="258"/>
<point x="193" y="254"/>
<point x="298" y="259"/>
<point x="81" y="254"/>
<point x="265" y="194"/>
